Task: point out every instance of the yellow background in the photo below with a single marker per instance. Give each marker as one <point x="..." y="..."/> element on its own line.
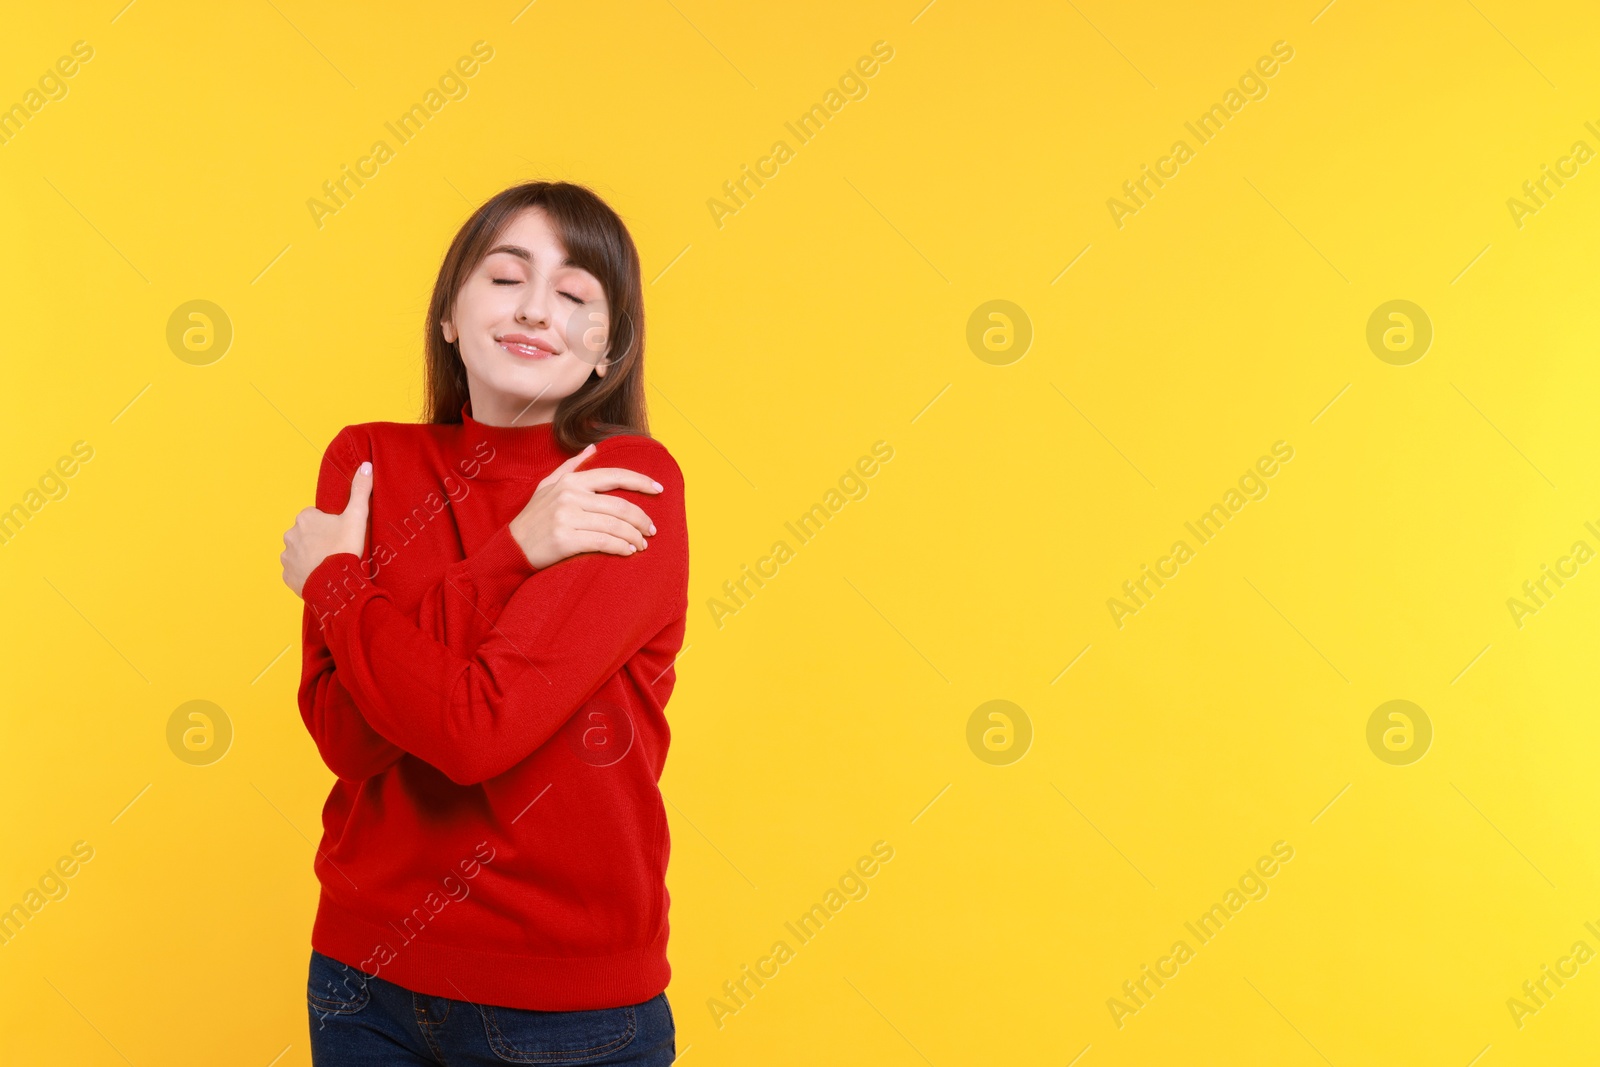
<point x="829" y="313"/>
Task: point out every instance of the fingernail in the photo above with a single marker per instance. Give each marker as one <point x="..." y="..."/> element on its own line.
<point x="657" y="484"/>
<point x="652" y="529"/>
<point x="366" y="468"/>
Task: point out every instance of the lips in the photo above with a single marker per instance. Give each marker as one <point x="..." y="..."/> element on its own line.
<point x="520" y="344"/>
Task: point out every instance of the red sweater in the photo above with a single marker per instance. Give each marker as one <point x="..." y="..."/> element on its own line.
<point x="496" y="833"/>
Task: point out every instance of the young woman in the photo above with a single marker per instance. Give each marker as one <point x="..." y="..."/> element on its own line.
<point x="493" y="602"/>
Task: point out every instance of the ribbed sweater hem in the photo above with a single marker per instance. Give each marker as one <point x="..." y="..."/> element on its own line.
<point x="504" y="979"/>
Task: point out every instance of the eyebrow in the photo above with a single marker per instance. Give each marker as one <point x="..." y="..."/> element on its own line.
<point x="524" y="254"/>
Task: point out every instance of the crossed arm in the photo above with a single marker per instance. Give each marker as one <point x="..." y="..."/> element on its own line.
<point x="499" y="654"/>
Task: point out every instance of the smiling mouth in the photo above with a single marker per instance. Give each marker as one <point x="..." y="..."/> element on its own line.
<point x="525" y="351"/>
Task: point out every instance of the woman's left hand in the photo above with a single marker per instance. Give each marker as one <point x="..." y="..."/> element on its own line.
<point x="316" y="535"/>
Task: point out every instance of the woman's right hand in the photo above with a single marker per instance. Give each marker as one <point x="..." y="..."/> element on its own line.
<point x="569" y="513"/>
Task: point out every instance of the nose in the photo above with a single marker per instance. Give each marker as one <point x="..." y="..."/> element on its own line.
<point x="535" y="304"/>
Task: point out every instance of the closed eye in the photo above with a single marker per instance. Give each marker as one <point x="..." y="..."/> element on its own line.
<point x="518" y="281"/>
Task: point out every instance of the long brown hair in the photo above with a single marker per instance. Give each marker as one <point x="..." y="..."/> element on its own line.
<point x="597" y="241"/>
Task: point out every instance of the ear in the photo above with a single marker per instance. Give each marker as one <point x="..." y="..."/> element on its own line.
<point x="448" y="330"/>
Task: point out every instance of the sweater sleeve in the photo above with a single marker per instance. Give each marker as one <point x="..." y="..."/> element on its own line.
<point x="568" y="628"/>
<point x="458" y="610"/>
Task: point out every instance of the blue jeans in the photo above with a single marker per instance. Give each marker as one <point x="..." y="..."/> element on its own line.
<point x="360" y="1020"/>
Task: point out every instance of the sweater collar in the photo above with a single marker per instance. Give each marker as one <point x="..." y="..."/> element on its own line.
<point x="533" y="445"/>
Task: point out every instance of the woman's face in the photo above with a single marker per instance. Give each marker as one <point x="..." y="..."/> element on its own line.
<point x="530" y="327"/>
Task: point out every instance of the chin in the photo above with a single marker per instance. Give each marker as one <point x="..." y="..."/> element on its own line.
<point x="504" y="373"/>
